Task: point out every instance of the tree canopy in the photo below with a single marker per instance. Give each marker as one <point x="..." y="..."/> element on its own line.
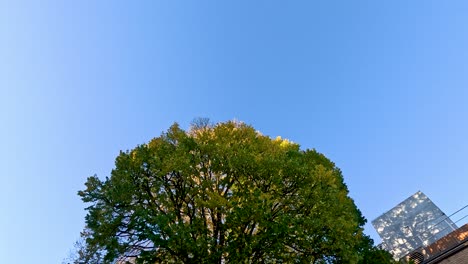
<point x="221" y="193"/>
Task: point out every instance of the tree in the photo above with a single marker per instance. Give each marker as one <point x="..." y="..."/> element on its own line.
<point x="85" y="253"/>
<point x="371" y="254"/>
<point x="222" y="193"/>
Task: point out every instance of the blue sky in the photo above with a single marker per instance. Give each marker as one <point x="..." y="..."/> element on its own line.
<point x="379" y="87"/>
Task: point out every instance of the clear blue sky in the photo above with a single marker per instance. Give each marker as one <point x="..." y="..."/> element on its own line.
<point x="380" y="87"/>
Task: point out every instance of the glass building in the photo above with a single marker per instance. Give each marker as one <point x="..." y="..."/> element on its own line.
<point x="416" y="222"/>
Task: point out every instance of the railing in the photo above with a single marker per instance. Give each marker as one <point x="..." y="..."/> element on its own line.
<point x="436" y="249"/>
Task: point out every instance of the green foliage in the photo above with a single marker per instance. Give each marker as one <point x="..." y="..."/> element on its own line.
<point x="85" y="253"/>
<point x="223" y="193"/>
<point x="373" y="255"/>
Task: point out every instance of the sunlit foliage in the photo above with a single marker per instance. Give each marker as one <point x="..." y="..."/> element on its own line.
<point x="222" y="193"/>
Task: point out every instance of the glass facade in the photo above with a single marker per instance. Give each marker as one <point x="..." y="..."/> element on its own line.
<point x="416" y="222"/>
